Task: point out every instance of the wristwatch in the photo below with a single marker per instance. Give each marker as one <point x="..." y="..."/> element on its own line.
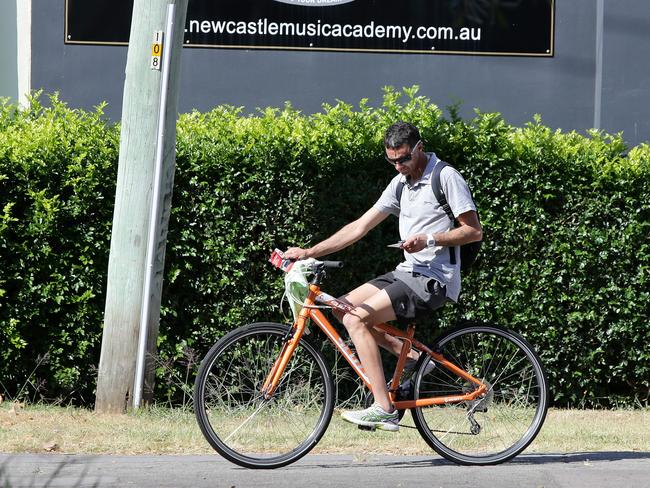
<point x="431" y="242"/>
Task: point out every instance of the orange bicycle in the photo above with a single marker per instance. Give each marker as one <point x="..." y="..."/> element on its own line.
<point x="264" y="396"/>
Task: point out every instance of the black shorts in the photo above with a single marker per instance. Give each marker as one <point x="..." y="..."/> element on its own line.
<point x="411" y="294"/>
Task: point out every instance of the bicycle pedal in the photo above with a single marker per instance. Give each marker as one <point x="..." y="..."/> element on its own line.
<point x="367" y="427"/>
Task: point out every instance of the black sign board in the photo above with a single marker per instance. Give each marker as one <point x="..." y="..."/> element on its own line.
<point x="490" y="27"/>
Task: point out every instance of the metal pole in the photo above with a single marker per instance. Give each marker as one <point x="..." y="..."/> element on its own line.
<point x="155" y="206"/>
<point x="598" y="82"/>
<point x="24" y="20"/>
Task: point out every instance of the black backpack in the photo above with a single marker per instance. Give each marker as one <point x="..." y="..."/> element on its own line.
<point x="468" y="252"/>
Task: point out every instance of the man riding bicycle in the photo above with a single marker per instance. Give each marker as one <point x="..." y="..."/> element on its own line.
<point x="427" y="278"/>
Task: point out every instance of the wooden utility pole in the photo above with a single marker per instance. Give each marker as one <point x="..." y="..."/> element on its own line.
<point x="142" y="128"/>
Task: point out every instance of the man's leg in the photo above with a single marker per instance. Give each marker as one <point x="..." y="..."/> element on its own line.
<point x="357" y="297"/>
<point x="375" y="309"/>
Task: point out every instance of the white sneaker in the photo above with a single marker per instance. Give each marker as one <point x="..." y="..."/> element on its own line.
<point x="373" y="417"/>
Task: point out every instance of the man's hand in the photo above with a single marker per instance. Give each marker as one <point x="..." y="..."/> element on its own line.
<point x="415" y="243"/>
<point x="296" y="253"/>
<point x="469" y="230"/>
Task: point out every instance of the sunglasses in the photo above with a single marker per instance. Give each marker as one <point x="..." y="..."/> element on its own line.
<point x="404" y="159"/>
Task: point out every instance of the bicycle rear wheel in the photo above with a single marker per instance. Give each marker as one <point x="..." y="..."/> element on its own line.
<point x="238" y="421"/>
<point x="501" y="424"/>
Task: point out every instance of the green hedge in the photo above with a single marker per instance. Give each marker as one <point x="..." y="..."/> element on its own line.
<point x="57" y="185"/>
<point x="565" y="260"/>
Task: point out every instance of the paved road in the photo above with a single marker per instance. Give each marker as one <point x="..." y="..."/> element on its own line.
<point x="592" y="470"/>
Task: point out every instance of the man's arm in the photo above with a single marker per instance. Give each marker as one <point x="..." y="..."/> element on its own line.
<point x="469" y="230"/>
<point x="349" y="234"/>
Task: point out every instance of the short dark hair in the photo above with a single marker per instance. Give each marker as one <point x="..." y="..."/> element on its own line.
<point x="401" y="133"/>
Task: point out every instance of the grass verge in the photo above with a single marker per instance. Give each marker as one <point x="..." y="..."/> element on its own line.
<point x="158" y="430"/>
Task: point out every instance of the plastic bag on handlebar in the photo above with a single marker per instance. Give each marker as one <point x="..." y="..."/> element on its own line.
<point x="296" y="286"/>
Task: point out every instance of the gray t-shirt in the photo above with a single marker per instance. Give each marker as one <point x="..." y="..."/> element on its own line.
<point x="419" y="213"/>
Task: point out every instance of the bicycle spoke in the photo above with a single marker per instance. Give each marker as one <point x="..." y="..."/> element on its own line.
<point x="244" y="423"/>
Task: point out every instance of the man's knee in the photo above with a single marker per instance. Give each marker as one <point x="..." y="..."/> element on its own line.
<point x="354" y="322"/>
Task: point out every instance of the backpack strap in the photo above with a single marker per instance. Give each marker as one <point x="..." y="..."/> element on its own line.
<point x="398" y="190"/>
<point x="436" y="186"/>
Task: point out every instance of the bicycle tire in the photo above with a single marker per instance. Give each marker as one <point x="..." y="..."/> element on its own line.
<point x="508" y="417"/>
<point x="238" y="422"/>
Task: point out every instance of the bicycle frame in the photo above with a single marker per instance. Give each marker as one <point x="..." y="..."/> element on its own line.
<point x="310" y="312"/>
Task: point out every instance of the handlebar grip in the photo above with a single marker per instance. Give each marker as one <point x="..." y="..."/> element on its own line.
<point x="332" y="264"/>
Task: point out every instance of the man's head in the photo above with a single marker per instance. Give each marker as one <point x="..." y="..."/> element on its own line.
<point x="401" y="133"/>
<point x="404" y="149"/>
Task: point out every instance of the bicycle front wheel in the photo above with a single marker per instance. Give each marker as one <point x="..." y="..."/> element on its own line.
<point x="501" y="424"/>
<point x="235" y="417"/>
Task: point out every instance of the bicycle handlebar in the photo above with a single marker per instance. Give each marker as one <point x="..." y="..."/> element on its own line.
<point x="331" y="264"/>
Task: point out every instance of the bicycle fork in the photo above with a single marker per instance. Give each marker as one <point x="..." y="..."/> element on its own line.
<point x="290" y="342"/>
